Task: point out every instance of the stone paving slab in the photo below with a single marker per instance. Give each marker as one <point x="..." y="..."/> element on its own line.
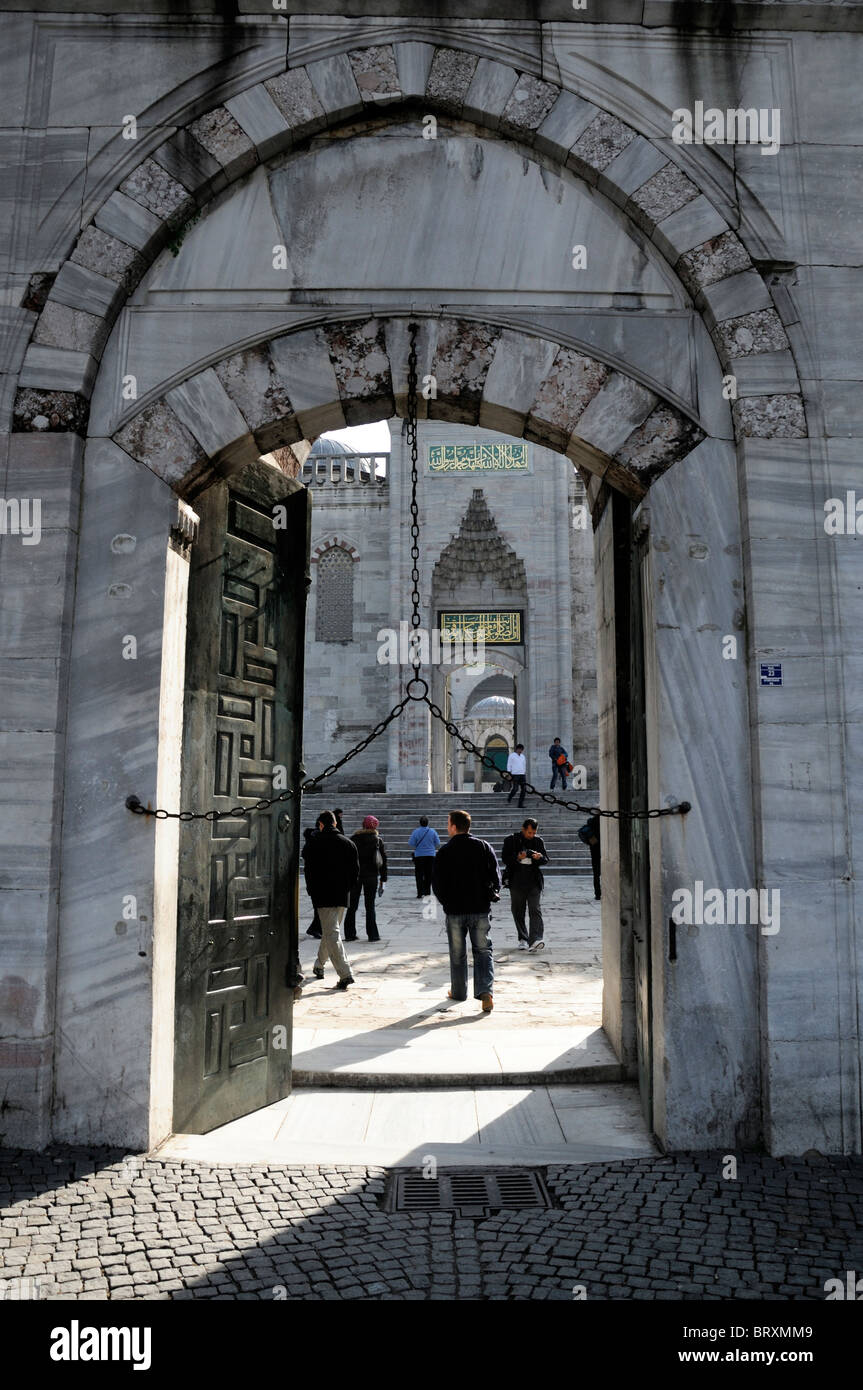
<point x="98" y="1224"/>
<point x="458" y="1126"/>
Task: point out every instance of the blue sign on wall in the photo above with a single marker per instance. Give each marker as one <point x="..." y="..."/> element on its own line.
<point x="771" y="672"/>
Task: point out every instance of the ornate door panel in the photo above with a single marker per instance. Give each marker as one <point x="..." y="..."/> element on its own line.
<point x="237" y="923"/>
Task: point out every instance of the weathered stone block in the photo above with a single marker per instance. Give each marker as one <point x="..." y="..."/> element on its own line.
<point x="664" y="193"/>
<point x="629" y="170"/>
<point x="204" y="407"/>
<point x="252" y="383"/>
<point x="665" y="437"/>
<point x="375" y="73"/>
<point x="295" y="97"/>
<point x="304" y="365"/>
<point x="261" y="119"/>
<point x="712" y="261"/>
<point x="519" y="367"/>
<point x="567" y="390"/>
<point x="758" y="332"/>
<point x="152" y="187"/>
<point x="567" y="120"/>
<point x="462" y="356"/>
<point x="619" y="407"/>
<point x="770" y="417"/>
<point x="224" y="138"/>
<point x="739" y="294"/>
<point x="489" y="91"/>
<point x="186" y="160"/>
<point x="413" y="61"/>
<point x="529" y="104"/>
<point x="58" y="369"/>
<point x="602" y="141"/>
<point x="157" y="438"/>
<point x="79" y="288"/>
<point x="695" y="223"/>
<point x="333" y="80"/>
<point x="359" y="356"/>
<point x="54" y="411"/>
<point x="450" y="77"/>
<point x="63" y="327"/>
<point x="129" y="221"/>
<point x="107" y="255"/>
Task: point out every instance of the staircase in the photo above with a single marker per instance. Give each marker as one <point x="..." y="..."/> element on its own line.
<point x="492" y="820"/>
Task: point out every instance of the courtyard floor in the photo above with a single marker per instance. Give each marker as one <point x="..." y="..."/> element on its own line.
<point x="99" y="1225"/>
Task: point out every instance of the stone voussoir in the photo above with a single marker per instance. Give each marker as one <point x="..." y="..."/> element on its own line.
<point x="714" y="260"/>
<point x="760" y="331"/>
<point x="251" y="381"/>
<point x="770" y="417"/>
<point x="107" y="255"/>
<point x="450" y="77"/>
<point x="358" y="353"/>
<point x="529" y="103"/>
<point x="462" y="357"/>
<point x="154" y="188"/>
<point x="564" y="395"/>
<point x="156" y="437"/>
<point x="603" y="140"/>
<point x="224" y="138"/>
<point x="666" y="192"/>
<point x="294" y="95"/>
<point x="665" y="437"/>
<point x="376" y="73"/>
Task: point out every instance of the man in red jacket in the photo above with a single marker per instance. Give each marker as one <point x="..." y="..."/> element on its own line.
<point x="465" y="881"/>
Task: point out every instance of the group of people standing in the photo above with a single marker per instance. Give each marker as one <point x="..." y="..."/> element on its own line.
<point x="463" y="874"/>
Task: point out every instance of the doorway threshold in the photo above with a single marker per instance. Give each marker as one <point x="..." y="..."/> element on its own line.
<point x="501" y="1125"/>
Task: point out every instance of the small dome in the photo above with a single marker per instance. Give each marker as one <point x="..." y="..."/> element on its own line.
<point x="325" y="448"/>
<point x="493" y="707"/>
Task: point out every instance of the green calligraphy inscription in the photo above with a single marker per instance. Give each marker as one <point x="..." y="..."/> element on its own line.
<point x="494" y="628"/>
<point x="502" y="456"/>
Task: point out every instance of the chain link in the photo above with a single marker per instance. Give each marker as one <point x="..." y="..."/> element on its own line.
<point x="134" y="803"/>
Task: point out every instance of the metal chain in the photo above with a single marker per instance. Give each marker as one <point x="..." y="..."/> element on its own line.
<point x="133" y="803"/>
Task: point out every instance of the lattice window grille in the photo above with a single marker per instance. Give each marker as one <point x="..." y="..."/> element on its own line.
<point x="334" y="616"/>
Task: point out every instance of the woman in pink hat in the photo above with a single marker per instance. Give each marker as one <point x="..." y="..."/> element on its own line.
<point x="373" y="876"/>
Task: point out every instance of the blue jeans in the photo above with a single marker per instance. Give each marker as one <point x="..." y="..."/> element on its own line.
<point x="558" y="772"/>
<point x="478" y="927"/>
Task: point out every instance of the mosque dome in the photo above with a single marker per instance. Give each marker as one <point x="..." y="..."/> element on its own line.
<point x="493" y="707"/>
<point x="326" y="448"/>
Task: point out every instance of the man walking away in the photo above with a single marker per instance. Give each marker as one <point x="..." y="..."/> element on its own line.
<point x="332" y="867"/>
<point x="589" y="835"/>
<point x="465" y="881"/>
<point x="315" y="928"/>
<point x="373" y="876"/>
<point x="338" y="815"/>
<point x="424" y="843"/>
<point x="559" y="759"/>
<point x="516" y="763"/>
<point x="523" y="855"/>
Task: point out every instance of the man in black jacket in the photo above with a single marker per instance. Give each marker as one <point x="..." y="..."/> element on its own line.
<point x="465" y="881"/>
<point x="523" y="854"/>
<point x="332" y="867"/>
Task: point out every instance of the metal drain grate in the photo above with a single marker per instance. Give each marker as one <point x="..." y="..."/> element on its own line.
<point x="468" y="1194"/>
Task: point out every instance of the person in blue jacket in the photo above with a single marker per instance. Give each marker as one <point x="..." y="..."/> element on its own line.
<point x="424" y="843"/>
<point x="559" y="759"/>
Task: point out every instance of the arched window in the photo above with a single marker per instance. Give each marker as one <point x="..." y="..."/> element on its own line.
<point x="334" y="615"/>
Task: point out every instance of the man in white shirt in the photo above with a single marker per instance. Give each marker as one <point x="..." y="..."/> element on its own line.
<point x="516" y="764"/>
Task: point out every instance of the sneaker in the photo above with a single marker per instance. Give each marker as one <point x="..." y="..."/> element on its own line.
<point x="522" y="944"/>
<point x="538" y="946"/>
<point x="315" y="932"/>
<point x="343" y="984"/>
<point x="487" y="1003"/>
<point x="318" y="972"/>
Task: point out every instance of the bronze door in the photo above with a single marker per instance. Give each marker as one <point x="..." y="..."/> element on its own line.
<point x="237" y="927"/>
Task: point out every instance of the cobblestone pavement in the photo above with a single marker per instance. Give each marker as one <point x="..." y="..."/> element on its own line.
<point x="92" y="1225"/>
<point x="409" y="971"/>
